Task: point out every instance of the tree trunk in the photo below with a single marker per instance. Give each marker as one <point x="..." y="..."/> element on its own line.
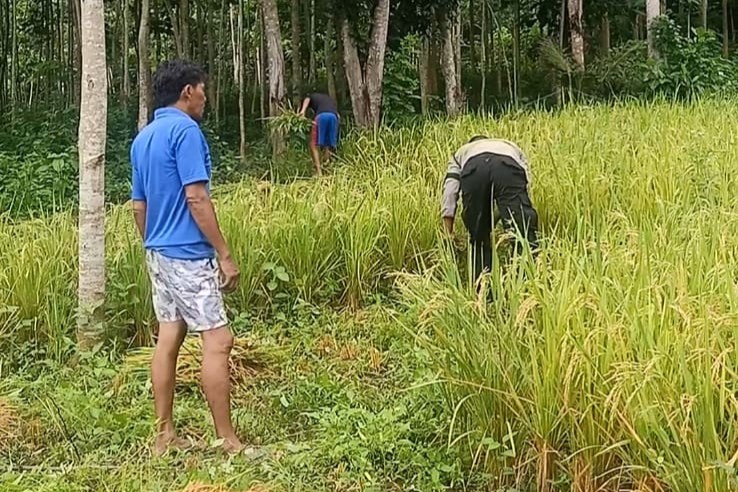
<point x="703" y="14"/>
<point x="296" y="52"/>
<point x="77" y="53"/>
<point x="144" y="68"/>
<point x="126" y="49"/>
<point x="423" y="68"/>
<point x="312" y="66"/>
<point x="262" y="68"/>
<point x="275" y="56"/>
<point x="472" y="36"/>
<point x="577" y="32"/>
<point x="213" y="76"/>
<point x="562" y="24"/>
<point x="241" y="88"/>
<point x="483" y="58"/>
<point x="653" y="10"/>
<point x="496" y="59"/>
<point x="457" y="44"/>
<point x="449" y="67"/>
<point x="184" y="27"/>
<point x="92" y="135"/>
<point x="605" y="35"/>
<point x="14" y="60"/>
<point x="219" y="63"/>
<point x="366" y="86"/>
<point x="374" y="73"/>
<point x="329" y="59"/>
<point x="176" y="33"/>
<point x="516" y="50"/>
<point x="201" y="26"/>
<point x="341" y="84"/>
<point x="354" y="77"/>
<point x="237" y="47"/>
<point x="726" y="34"/>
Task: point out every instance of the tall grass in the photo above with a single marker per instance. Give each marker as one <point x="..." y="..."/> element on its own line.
<point x="609" y="362"/>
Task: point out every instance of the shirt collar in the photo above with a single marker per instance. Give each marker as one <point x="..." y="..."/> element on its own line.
<point x="169" y="111"/>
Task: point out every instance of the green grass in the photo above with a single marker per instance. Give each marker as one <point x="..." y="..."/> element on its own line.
<point x="608" y="363"/>
<point x="331" y="403"/>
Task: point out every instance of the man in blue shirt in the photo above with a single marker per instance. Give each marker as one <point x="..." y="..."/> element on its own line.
<point x="171" y="203"/>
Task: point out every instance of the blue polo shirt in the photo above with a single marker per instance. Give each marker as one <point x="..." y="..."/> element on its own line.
<point x="167" y="155"/>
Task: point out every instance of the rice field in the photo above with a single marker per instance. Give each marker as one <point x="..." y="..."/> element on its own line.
<point x="608" y="363"/>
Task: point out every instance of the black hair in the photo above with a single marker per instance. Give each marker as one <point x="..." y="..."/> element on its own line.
<point x="477" y="138"/>
<point x="171" y="77"/>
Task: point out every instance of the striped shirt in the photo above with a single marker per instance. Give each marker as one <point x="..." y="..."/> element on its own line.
<point x="452" y="183"/>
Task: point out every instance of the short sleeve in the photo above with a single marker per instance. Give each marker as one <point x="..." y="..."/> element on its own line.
<point x="138" y="193"/>
<point x="190" y="155"/>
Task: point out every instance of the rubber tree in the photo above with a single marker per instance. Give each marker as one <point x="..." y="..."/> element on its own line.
<point x="92" y="139"/>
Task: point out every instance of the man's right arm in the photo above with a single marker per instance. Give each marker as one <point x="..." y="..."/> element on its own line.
<point x="305" y="104"/>
<point x="451" y="188"/>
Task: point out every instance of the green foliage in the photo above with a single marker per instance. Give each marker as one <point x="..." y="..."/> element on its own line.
<point x="689" y="67"/>
<point x="686" y="67"/>
<point x="621" y="72"/>
<point x="331" y="418"/>
<point x="39" y="162"/>
<point x="401" y="84"/>
<point x="392" y="445"/>
<point x="595" y="358"/>
<point x="294" y="127"/>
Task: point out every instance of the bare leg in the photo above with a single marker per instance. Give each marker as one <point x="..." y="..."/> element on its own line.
<point x="327" y="154"/>
<point x="316" y="159"/>
<point x="163" y="378"/>
<point x="216" y="382"/>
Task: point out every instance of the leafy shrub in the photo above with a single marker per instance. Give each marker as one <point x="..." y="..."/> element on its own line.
<point x="294" y="127"/>
<point x="39" y="162"/>
<point x="620" y="73"/>
<point x="401" y="82"/>
<point x="688" y="67"/>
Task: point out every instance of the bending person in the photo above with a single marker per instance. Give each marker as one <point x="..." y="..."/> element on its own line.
<point x="324" y="135"/>
<point x="487" y="171"/>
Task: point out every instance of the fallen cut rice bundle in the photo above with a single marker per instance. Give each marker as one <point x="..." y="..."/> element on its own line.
<point x="9" y="423"/>
<point x="203" y="487"/>
<point x="249" y="360"/>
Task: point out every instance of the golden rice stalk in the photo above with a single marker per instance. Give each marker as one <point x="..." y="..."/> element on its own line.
<point x="203" y="487"/>
<point x="9" y="423"/>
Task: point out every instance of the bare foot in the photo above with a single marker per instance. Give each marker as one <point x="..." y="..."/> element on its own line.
<point x="165" y="442"/>
<point x="232" y="445"/>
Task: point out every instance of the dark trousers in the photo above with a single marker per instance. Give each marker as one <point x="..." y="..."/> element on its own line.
<point x="489" y="177"/>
